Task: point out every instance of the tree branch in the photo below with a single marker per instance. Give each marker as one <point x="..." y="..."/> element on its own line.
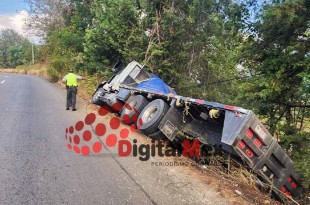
<point x="296" y="105"/>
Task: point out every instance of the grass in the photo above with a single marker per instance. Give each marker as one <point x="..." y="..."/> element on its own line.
<point x="86" y="87"/>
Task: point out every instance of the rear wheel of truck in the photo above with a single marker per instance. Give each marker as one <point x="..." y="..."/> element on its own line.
<point x="150" y="118"/>
<point x="95" y="99"/>
<point x="133" y="108"/>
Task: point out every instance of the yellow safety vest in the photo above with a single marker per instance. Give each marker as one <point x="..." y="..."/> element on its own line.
<point x="71" y="80"/>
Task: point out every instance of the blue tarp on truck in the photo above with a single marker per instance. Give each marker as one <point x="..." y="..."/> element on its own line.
<point x="155" y="84"/>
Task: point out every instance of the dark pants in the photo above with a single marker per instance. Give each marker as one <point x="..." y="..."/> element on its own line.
<point x="71" y="96"/>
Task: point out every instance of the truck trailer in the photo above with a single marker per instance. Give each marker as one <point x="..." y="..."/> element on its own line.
<point x="160" y="113"/>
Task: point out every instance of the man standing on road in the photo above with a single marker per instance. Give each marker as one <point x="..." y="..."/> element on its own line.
<point x="71" y="81"/>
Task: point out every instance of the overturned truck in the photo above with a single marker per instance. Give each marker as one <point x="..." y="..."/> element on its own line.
<point x="164" y="114"/>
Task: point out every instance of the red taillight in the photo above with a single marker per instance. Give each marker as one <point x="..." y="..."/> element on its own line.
<point x="288" y="194"/>
<point x="249" y="133"/>
<point x="249" y="153"/>
<point x="283" y="189"/>
<point x="200" y="101"/>
<point x="241" y="145"/>
<point x="257" y="143"/>
<point x="294" y="185"/>
<point x="229" y="107"/>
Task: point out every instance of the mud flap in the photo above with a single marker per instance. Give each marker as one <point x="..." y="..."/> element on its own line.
<point x="172" y="123"/>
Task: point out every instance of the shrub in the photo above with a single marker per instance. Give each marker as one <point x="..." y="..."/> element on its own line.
<point x="53" y="74"/>
<point x="59" y="64"/>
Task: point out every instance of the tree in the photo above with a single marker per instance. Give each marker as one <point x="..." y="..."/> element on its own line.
<point x="8" y="38"/>
<point x="15" y="49"/>
<point x="46" y="16"/>
<point x="278" y="62"/>
<point x="195" y="43"/>
<point x="115" y="33"/>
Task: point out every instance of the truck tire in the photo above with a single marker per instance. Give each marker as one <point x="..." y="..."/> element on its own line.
<point x="150" y="118"/>
<point x="133" y="108"/>
<point x="95" y="98"/>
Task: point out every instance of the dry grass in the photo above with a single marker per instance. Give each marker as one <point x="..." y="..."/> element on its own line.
<point x="39" y="69"/>
<point x="235" y="179"/>
<point x="7" y="70"/>
<point x="85" y="89"/>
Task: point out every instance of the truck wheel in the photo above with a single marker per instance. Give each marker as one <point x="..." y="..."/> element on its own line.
<point x="95" y="99"/>
<point x="133" y="108"/>
<point x="150" y="118"/>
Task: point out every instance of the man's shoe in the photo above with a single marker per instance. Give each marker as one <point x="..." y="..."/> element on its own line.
<point x="67" y="108"/>
<point x="73" y="109"/>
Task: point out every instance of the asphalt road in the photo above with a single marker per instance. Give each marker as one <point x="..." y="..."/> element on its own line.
<point x="36" y="167"/>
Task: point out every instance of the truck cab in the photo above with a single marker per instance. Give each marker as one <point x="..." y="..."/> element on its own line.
<point x="131" y="75"/>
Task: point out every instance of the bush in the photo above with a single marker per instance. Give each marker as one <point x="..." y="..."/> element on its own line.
<point x="297" y="146"/>
<point x="59" y="64"/>
<point x="90" y="85"/>
<point x="53" y="74"/>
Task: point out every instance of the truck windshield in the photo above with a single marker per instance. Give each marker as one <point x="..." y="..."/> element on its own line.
<point x="136" y="76"/>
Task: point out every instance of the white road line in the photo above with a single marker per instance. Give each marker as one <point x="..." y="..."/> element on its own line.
<point x="2" y="81"/>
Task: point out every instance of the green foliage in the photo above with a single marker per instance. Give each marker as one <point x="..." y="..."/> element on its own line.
<point x="277" y="62"/>
<point x="116" y="33"/>
<point x="59" y="64"/>
<point x="298" y="147"/>
<point x="196" y="44"/>
<point x="53" y="74"/>
<point x="15" y="49"/>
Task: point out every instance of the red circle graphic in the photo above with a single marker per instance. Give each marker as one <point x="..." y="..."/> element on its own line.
<point x="71" y="129"/>
<point x="103" y="110"/>
<point x="117" y="106"/>
<point x="115" y="123"/>
<point x="90" y="119"/>
<point x="69" y="146"/>
<point x="79" y="125"/>
<point x="100" y="129"/>
<point x="76" y="139"/>
<point x="126" y="119"/>
<point x="97" y="146"/>
<point x="124" y="133"/>
<point x="87" y="135"/>
<point x="85" y="150"/>
<point x="133" y="127"/>
<point x="111" y="140"/>
<point x="76" y="149"/>
<point x="140" y="122"/>
<point x="127" y="106"/>
<point x="134" y="118"/>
